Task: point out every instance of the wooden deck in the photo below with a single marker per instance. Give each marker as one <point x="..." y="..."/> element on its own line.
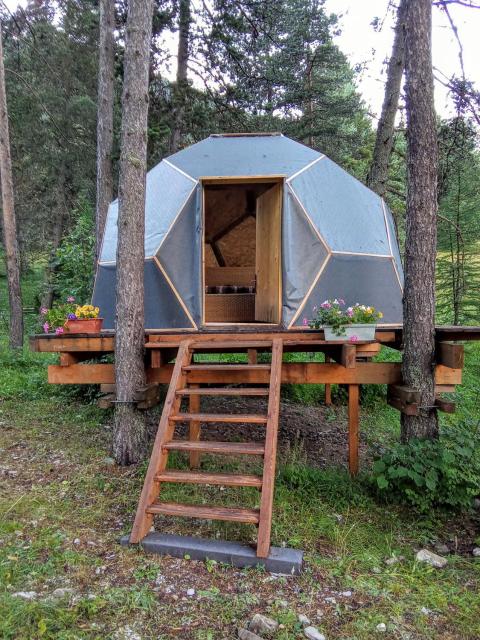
<point x="345" y="363"/>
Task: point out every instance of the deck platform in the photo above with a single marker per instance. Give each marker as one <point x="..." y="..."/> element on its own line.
<point x="348" y="364"/>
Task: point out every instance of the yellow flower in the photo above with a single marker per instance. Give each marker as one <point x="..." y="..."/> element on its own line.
<point x="380" y="314"/>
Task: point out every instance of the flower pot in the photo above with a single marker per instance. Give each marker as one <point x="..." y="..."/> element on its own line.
<point x="85" y="325"/>
<point x="353" y="333"/>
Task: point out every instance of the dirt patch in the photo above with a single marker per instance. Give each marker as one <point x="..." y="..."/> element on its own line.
<point x="318" y="433"/>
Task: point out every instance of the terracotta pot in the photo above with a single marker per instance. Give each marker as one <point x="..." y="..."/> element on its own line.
<point x="86" y="325"/>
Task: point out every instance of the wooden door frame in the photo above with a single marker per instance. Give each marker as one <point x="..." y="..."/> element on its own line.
<point x="212" y="180"/>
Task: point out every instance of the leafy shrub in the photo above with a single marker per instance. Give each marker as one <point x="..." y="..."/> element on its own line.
<point x="427" y="474"/>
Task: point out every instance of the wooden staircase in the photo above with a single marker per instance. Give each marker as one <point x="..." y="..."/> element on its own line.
<point x="180" y="387"/>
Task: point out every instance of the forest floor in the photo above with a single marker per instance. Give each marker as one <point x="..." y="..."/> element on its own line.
<point x="64" y="506"/>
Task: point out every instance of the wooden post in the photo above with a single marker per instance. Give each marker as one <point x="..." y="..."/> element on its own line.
<point x="328" y="389"/>
<point x="252" y="356"/>
<point x="195" y="427"/>
<point x="353" y="422"/>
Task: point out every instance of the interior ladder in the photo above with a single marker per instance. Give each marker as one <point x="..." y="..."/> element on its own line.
<point x="157" y="473"/>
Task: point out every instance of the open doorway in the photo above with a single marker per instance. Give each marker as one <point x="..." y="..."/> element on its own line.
<point x="242" y="251"/>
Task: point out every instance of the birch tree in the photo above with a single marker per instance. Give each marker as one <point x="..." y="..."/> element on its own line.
<point x="129" y="430"/>
<point x="421" y="221"/>
<point x="106" y="77"/>
<point x="12" y="256"/>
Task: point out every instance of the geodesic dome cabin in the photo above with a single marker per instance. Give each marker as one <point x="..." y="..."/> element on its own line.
<point x="256" y="229"/>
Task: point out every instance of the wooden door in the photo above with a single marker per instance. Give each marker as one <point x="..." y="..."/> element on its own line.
<point x="268" y="255"/>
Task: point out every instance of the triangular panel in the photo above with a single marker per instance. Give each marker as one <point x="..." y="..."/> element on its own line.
<point x="303" y="256"/>
<point x="363" y="279"/>
<point x="220" y="156"/>
<point x="180" y="254"/>
<point x="162" y="308"/>
<point x="348" y="214"/>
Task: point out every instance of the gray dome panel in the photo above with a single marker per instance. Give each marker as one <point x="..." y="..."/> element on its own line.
<point x="180" y="253"/>
<point x="364" y="279"/>
<point x="303" y="256"/>
<point x="166" y="192"/>
<point x="348" y="215"/>
<point x="220" y="156"/>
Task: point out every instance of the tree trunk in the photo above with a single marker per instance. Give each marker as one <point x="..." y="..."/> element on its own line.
<point x="129" y="431"/>
<point x="106" y="61"/>
<point x="59" y="217"/>
<point x="182" y="69"/>
<point x="378" y="174"/>
<point x="421" y="221"/>
<point x="9" y="222"/>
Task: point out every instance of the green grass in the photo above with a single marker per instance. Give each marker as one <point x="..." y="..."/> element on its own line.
<point x="63" y="507"/>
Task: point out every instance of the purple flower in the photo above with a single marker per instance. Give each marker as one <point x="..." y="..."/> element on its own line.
<point x="326" y="305"/>
<point x="353" y="338"/>
<point x="70" y="299"/>
<point x="341" y="301"/>
<point x="43" y="311"/>
<point x="305" y="322"/>
<point x="59" y="331"/>
<point x="46" y="327"/>
<point x="72" y="316"/>
<point x="350" y="312"/>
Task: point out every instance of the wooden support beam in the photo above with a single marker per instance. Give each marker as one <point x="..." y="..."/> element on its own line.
<point x="450" y="355"/>
<point x="252" y="356"/>
<point x="445" y="405"/>
<point x="148" y="397"/>
<point x="72" y="343"/>
<point x="328" y="388"/>
<point x="194" y="428"/>
<point x="292" y="373"/>
<point x="403" y="393"/>
<point x="409" y="409"/>
<point x="353" y="427"/>
<point x="66" y="359"/>
<point x="348" y="355"/>
<point x="156" y="358"/>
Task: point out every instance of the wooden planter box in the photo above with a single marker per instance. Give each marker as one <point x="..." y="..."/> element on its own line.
<point x="87" y="325"/>
<point x="229" y="307"/>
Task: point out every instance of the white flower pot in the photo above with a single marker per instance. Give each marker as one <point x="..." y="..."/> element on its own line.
<point x="353" y="333"/>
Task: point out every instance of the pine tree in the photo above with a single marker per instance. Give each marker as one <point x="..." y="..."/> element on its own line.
<point x="129" y="432"/>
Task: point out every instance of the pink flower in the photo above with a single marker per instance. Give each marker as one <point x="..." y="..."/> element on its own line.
<point x="305" y="322"/>
<point x="59" y="331"/>
<point x="43" y="311"/>
<point x="341" y="301"/>
<point x="326" y="305"/>
<point x="350" y="312"/>
<point x="46" y="327"/>
<point x="353" y="338"/>
<point x="70" y="299"/>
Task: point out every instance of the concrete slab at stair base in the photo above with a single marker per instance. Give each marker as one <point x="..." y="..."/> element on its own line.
<point x="281" y="560"/>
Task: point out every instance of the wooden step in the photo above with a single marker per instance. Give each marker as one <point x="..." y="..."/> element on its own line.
<point x="225" y="391"/>
<point x="223" y="448"/>
<point x="227" y="367"/>
<point x="249" y="516"/>
<point x="196" y="477"/>
<point x="232" y="345"/>
<point x="254" y="418"/>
